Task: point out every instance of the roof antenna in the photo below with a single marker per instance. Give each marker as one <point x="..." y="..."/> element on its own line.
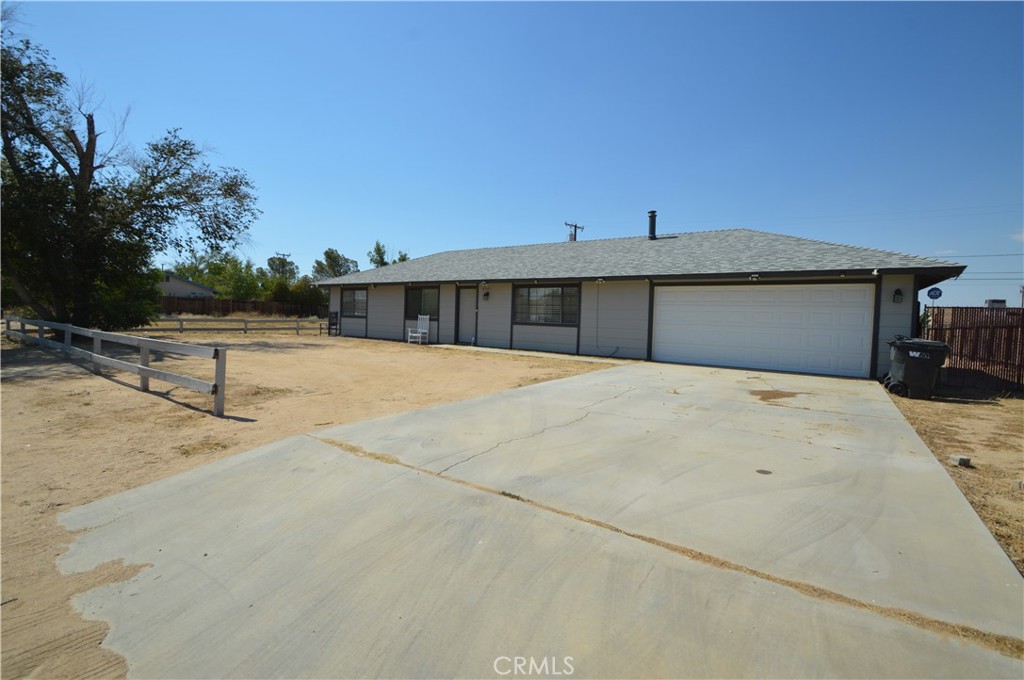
<point x="573" y="229"/>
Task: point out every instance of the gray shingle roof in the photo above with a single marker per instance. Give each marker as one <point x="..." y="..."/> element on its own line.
<point x="727" y="251"/>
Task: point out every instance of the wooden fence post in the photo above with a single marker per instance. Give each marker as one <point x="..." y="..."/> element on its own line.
<point x="41" y="332"/>
<point x="245" y="326"/>
<point x="67" y="340"/>
<point x="144" y="361"/>
<point x="219" y="378"/>
<point x="97" y="346"/>
<point x="181" y="325"/>
<point x="296" y="326"/>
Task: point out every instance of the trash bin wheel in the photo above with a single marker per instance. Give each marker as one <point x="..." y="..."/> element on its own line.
<point x="898" y="388"/>
<point x="886" y="379"/>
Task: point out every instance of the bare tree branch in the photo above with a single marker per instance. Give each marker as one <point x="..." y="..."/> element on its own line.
<point x="42" y="137"/>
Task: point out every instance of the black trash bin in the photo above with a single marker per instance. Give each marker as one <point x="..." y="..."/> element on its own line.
<point x="915" y="366"/>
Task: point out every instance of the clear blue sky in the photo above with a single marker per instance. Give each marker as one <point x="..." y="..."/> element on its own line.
<point x="443" y="126"/>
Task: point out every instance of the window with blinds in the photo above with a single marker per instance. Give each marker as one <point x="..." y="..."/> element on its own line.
<point x="558" y="305"/>
<point x="353" y="302"/>
<point x="421" y="301"/>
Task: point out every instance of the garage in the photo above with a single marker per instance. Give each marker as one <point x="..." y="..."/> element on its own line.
<point x="818" y="328"/>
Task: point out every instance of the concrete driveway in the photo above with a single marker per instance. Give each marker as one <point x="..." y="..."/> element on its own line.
<point x="643" y="521"/>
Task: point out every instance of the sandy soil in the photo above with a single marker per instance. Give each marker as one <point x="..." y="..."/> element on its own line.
<point x="70" y="437"/>
<point x="988" y="428"/>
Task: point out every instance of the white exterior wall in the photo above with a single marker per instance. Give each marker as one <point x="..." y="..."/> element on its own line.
<point x="385" y="312"/>
<point x="894" y="319"/>
<point x="467" y="299"/>
<point x="613" y="319"/>
<point x="544" y="338"/>
<point x="353" y="327"/>
<point x="495" y="316"/>
<point x="446" y="314"/>
<point x="334" y="299"/>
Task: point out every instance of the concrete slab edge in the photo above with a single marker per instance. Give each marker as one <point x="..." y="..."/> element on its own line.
<point x="1006" y="645"/>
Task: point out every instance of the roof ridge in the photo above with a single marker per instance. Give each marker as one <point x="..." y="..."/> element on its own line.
<point x="595" y="240"/>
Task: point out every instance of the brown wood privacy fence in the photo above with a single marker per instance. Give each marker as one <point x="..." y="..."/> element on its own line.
<point x="217" y="307"/>
<point x="986" y="346"/>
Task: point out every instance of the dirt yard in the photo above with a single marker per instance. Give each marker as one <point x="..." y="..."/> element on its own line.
<point x="70" y="437"/>
<point x="988" y="428"/>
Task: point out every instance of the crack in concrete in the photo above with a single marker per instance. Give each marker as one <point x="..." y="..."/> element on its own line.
<point x="539" y="432"/>
<point x="1003" y="644"/>
<point x="514" y="439"/>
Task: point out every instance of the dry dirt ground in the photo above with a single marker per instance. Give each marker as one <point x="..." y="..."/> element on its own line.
<point x="70" y="437"/>
<point x="988" y="428"/>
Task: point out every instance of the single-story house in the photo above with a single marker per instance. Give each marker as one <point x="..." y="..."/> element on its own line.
<point x="733" y="297"/>
<point x="178" y="286"/>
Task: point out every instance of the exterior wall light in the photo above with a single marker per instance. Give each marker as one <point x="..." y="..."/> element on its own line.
<point x="897" y="296"/>
<point x="487" y="295"/>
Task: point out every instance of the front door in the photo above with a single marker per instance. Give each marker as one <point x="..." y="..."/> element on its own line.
<point x="467" y="316"/>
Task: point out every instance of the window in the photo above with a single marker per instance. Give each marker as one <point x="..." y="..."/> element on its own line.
<point x="353" y="302"/>
<point x="421" y="301"/>
<point x="547" y="304"/>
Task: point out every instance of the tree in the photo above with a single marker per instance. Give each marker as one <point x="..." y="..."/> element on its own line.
<point x="279" y="291"/>
<point x="277" y="278"/>
<point x="379" y="256"/>
<point x="81" y="220"/>
<point x="280" y="266"/>
<point x="334" y="264"/>
<point x="306" y="292"/>
<point x="239" y="280"/>
<point x="232" y="277"/>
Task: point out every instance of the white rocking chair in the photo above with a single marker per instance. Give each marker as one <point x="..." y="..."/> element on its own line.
<point x="420" y="334"/>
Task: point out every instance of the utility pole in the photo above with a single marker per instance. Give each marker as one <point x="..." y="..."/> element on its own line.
<point x="574" y="228"/>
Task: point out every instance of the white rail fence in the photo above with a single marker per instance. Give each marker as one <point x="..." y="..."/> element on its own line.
<point x="145" y="345"/>
<point x="229" y="324"/>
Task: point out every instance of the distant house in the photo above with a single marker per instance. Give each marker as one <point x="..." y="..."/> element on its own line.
<point x="178" y="286"/>
<point x="734" y="297"/>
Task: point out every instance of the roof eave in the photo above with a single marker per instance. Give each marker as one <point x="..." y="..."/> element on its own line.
<point x="927" y="274"/>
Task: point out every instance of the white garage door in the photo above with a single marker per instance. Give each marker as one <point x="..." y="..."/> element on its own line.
<point x="801" y="328"/>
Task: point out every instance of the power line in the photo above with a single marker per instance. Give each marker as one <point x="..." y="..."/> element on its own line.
<point x="996" y="255"/>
